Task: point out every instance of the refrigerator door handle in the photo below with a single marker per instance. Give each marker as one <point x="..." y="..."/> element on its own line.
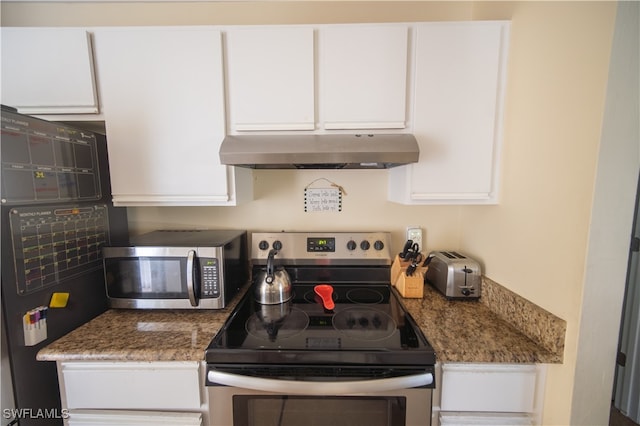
<point x="190" y="281"/>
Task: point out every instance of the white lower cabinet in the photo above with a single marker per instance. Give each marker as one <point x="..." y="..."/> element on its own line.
<point x="489" y="394"/>
<point x="133" y="418"/>
<point x="136" y="393"/>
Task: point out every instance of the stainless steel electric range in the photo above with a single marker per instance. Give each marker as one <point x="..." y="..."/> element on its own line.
<point x="356" y="358"/>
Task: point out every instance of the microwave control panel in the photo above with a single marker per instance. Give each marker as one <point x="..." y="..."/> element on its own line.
<point x="210" y="278"/>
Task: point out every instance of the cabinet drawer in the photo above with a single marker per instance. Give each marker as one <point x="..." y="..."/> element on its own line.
<point x="488" y="387"/>
<point x="153" y="385"/>
<point x="493" y="419"/>
<point x="132" y="418"/>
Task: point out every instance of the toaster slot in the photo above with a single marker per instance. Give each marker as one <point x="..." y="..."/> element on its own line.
<point x="453" y="255"/>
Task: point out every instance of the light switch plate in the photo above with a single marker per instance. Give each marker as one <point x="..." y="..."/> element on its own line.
<point x="414" y="233"/>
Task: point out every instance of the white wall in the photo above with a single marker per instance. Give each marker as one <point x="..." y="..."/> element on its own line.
<point x="279" y="205"/>
<point x="535" y="241"/>
<point x="611" y="225"/>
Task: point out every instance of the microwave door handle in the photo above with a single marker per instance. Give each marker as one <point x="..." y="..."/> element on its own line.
<point x="190" y="277"/>
<point x="319" y="388"/>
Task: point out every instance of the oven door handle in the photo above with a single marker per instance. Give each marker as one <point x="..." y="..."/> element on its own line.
<point x="320" y="388"/>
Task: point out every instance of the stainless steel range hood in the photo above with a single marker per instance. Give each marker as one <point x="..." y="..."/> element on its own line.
<point x="379" y="151"/>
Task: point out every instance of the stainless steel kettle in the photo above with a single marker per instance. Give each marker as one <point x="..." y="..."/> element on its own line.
<point x="272" y="285"/>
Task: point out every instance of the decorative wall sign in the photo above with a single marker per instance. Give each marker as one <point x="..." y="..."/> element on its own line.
<point x="323" y="199"/>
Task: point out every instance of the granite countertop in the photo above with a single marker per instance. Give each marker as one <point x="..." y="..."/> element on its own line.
<point x="469" y="331"/>
<point x="141" y="335"/>
<point x="459" y="331"/>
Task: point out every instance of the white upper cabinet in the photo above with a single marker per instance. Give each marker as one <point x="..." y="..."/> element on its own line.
<point x="459" y="81"/>
<point x="361" y="80"/>
<point x="48" y="71"/>
<point x="363" y="76"/>
<point x="270" y="78"/>
<point x="163" y="99"/>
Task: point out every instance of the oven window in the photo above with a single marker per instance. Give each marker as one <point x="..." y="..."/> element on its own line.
<point x="259" y="410"/>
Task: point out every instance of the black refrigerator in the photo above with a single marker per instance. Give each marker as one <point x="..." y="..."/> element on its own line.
<point x="56" y="216"/>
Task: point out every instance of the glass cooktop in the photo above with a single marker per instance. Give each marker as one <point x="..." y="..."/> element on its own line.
<point x="367" y="325"/>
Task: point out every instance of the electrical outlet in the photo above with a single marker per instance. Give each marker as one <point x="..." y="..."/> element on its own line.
<point x="414" y="233"/>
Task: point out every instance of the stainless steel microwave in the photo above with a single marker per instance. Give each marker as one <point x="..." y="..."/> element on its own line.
<point x="192" y="269"/>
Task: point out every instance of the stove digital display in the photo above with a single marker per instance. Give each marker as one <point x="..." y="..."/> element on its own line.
<point x="321" y="244"/>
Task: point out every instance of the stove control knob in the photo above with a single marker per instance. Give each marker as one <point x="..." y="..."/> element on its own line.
<point x="364" y="245"/>
<point x="263" y="245"/>
<point x="378" y="245"/>
<point x="351" y="245"/>
<point x="277" y="244"/>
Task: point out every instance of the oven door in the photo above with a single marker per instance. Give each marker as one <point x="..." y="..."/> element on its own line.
<point x="247" y="401"/>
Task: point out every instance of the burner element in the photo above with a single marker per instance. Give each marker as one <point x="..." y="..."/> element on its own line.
<point x="365" y="296"/>
<point x="311" y="297"/>
<point x="364" y="323"/>
<point x="269" y="325"/>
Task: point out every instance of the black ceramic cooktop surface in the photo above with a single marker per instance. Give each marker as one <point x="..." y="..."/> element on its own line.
<point x="367" y="325"/>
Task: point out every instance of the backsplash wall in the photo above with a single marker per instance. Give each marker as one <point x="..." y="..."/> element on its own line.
<point x="279" y="205"/>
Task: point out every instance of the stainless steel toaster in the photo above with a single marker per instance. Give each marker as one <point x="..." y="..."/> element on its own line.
<point x="455" y="275"/>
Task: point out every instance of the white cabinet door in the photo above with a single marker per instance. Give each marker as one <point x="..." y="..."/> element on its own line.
<point x="363" y="71"/>
<point x="163" y="100"/>
<point x="48" y="71"/>
<point x="459" y="83"/>
<point x="271" y="78"/>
